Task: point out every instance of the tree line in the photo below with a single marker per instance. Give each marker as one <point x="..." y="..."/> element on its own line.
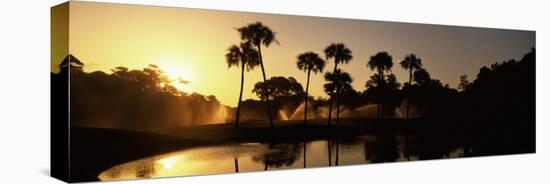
<point x="494" y="110"/>
<point x="247" y="55"/>
<point x="130" y="98"/>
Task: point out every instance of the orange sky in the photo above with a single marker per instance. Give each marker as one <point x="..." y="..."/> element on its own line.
<point x="191" y="43"/>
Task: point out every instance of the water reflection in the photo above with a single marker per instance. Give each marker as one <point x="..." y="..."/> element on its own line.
<point x="279" y="155"/>
<point x="236" y="165"/>
<point x="249" y="157"/>
<point x="383" y="150"/>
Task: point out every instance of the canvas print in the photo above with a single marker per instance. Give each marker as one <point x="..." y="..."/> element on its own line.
<point x="150" y="92"/>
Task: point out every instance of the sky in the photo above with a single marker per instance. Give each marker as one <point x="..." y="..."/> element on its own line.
<point x="192" y="43"/>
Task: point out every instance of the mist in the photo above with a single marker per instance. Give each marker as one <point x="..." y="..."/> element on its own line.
<point x="140" y="100"/>
<point x="365" y="111"/>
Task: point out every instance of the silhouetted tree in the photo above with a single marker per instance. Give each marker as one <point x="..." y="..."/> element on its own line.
<point x="411" y="63"/>
<point x="277" y="87"/>
<point x="309" y="62"/>
<point x="383" y="150"/>
<point x="247" y="57"/>
<point x="390" y="82"/>
<point x="500" y="107"/>
<point x="285" y="154"/>
<point x="258" y="35"/>
<point x="390" y="88"/>
<point x="144" y="100"/>
<point x="422" y="77"/>
<point x="381" y="62"/>
<point x="463" y="85"/>
<point x="341" y="54"/>
<point x="337" y="82"/>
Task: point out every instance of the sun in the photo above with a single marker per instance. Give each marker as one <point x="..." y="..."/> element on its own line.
<point x="179" y="74"/>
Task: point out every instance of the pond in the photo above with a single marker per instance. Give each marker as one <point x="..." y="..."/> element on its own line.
<point x="248" y="157"/>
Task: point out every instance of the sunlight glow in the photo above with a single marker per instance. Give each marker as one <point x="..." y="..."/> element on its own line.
<point x="192" y="43"/>
<point x="179" y="74"/>
<point x="169" y="162"/>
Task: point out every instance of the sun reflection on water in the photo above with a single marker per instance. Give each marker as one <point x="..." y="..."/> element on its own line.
<point x="170" y="161"/>
<point x="262" y="156"/>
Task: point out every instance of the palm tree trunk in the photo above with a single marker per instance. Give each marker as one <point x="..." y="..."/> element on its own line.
<point x="337" y="85"/>
<point x="265" y="87"/>
<point x="331" y="98"/>
<point x="382" y="108"/>
<point x="305" y="103"/>
<point x="408" y="102"/>
<point x="330" y="111"/>
<point x="408" y="93"/>
<point x="378" y="96"/>
<point x="337" y="107"/>
<point x="378" y="106"/>
<point x="237" y="116"/>
<point x="381" y="97"/>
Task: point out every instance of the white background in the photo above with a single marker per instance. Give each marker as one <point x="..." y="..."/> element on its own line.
<point x="24" y="90"/>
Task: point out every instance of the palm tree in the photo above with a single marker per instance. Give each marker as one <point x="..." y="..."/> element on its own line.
<point x="258" y="34"/>
<point x="341" y="54"/>
<point x="337" y="82"/>
<point x="410" y="62"/>
<point x="381" y="62"/>
<point x="309" y="62"/>
<point x="247" y="57"/>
